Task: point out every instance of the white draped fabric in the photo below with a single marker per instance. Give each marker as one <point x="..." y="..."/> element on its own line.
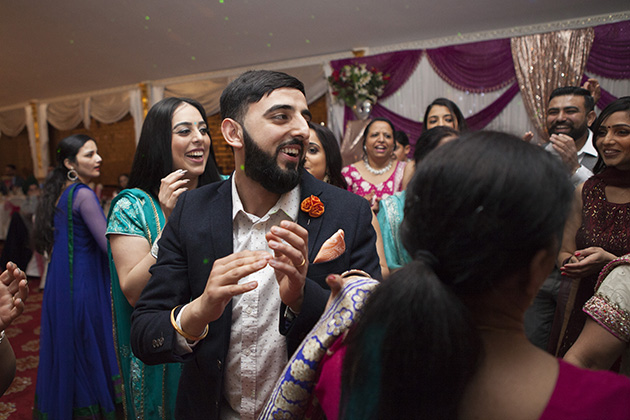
<point x="12" y="122"/>
<point x="111" y="106"/>
<point x="206" y="92"/>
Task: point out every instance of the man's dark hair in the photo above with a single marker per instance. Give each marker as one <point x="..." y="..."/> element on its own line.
<point x="250" y="87"/>
<point x="589" y="102"/>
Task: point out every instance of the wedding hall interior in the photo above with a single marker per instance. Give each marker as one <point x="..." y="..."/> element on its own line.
<point x="96" y="68"/>
<point x="85" y="67"/>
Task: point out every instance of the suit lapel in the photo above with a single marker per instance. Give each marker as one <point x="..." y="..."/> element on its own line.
<point x="220" y="208"/>
<point x="312" y="224"/>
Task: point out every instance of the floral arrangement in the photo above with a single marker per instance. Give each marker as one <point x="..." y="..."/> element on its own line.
<point x="313" y="206"/>
<point x="355" y="83"/>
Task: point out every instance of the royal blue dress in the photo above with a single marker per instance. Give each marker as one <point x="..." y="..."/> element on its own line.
<point x="78" y="375"/>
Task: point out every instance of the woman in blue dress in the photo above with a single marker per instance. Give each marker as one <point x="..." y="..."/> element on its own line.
<point x="174" y="154"/>
<point x="77" y="376"/>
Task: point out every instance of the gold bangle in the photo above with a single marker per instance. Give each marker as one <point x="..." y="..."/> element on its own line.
<point x="182" y="333"/>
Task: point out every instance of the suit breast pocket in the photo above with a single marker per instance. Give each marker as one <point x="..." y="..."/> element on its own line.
<point x="319" y="271"/>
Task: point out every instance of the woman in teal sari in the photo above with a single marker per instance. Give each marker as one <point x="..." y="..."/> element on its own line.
<point x="174" y="154"/>
<point x="391" y="212"/>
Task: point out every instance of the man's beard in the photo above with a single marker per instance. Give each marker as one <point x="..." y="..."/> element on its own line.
<point x="574" y="132"/>
<point x="263" y="168"/>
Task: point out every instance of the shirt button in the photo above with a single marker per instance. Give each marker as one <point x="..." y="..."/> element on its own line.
<point x="219" y="364"/>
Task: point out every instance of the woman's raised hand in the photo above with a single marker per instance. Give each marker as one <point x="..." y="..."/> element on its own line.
<point x="172" y="186"/>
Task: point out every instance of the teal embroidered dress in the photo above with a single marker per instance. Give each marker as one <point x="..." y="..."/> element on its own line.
<point x="390" y="218"/>
<point x="149" y="391"/>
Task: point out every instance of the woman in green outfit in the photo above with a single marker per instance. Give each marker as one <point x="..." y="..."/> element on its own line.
<point x="174" y="154"/>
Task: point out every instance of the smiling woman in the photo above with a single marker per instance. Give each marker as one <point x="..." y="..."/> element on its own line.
<point x="174" y="155"/>
<point x="378" y="175"/>
<point x="599" y="227"/>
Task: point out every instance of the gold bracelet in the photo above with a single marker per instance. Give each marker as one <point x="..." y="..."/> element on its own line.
<point x="182" y="333"/>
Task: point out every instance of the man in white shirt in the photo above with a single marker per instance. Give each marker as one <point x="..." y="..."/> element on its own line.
<point x="235" y="287"/>
<point x="569" y="114"/>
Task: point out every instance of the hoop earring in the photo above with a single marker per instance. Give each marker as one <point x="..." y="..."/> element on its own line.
<point x="72" y="175"/>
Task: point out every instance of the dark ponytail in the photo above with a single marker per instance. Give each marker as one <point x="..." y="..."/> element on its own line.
<point x="476" y="212"/>
<point x="413" y="352"/>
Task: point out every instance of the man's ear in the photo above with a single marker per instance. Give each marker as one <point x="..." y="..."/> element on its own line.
<point x="590" y="118"/>
<point x="232" y="133"/>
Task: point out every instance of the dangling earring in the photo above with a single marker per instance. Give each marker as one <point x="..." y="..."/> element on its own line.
<point x="326" y="178"/>
<point x="72" y="175"/>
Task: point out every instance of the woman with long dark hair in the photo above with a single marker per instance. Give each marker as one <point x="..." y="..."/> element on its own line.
<point x="174" y="154"/>
<point x="323" y="157"/>
<point x="77" y="375"/>
<point x="598" y="230"/>
<point x="443" y="112"/>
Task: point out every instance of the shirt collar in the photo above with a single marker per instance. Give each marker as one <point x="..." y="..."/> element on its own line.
<point x="588" y="147"/>
<point x="288" y="202"/>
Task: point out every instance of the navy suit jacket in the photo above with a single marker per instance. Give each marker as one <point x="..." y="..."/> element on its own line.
<point x="199" y="231"/>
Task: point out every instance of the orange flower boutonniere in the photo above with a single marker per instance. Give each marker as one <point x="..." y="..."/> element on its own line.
<point x="313" y="206"/>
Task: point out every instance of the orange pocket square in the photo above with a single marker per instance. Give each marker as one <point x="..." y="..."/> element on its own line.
<point x="332" y="248"/>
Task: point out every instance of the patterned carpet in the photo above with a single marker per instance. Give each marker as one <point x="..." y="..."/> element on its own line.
<point x="17" y="402"/>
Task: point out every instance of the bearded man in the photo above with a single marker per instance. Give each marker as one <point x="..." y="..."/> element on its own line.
<point x="235" y="287"/>
<point x="570" y="113"/>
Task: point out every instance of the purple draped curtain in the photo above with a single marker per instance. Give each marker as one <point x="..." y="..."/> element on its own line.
<point x="606" y="97"/>
<point x="610" y="53"/>
<point x="477" y="67"/>
<point x="477" y="121"/>
<point x="610" y="56"/>
<point x="485" y="67"/>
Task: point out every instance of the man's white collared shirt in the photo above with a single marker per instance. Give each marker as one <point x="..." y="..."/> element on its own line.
<point x="257" y="353"/>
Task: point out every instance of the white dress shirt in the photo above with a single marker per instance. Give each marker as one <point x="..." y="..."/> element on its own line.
<point x="258" y="352"/>
<point x="583" y="173"/>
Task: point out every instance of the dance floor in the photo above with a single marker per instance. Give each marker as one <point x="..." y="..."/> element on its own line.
<point x="17" y="401"/>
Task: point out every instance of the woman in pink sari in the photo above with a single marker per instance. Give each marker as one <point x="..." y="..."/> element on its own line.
<point x="378" y="174"/>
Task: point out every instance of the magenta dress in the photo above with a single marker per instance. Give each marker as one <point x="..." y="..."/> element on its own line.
<point x="588" y="394"/>
<point x="360" y="186"/>
<point x="579" y="394"/>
